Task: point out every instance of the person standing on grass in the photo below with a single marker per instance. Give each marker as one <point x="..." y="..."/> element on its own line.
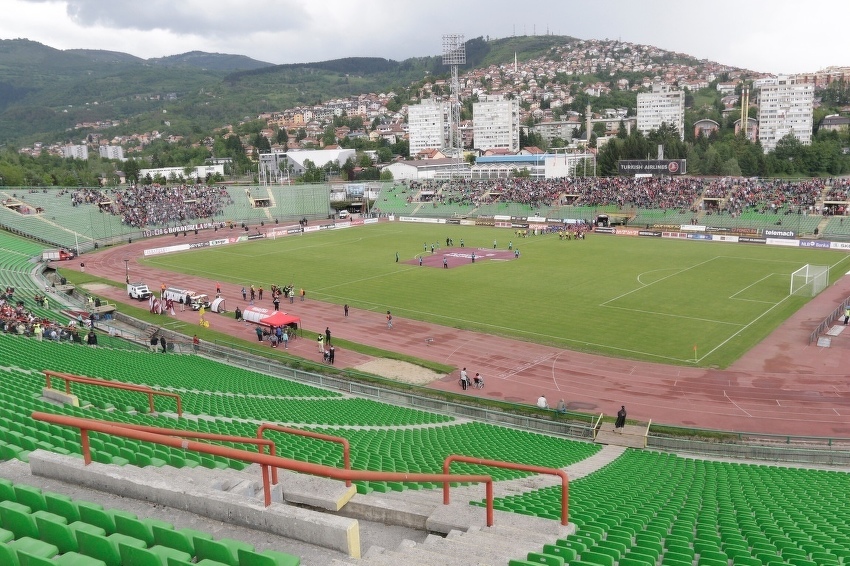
<point x="464" y="379"/>
<point x="321" y="341"/>
<point x="620" y="423"/>
<point x="328" y="335"/>
<point x="302" y="293"/>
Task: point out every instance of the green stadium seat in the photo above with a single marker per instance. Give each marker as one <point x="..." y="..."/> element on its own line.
<point x="7" y="490"/>
<point x="57" y="533"/>
<point x="222" y="550"/>
<point x="18" y="519"/>
<point x="31" y="497"/>
<point x="33" y="547"/>
<point x="139" y="528"/>
<point x="154" y="556"/>
<point x="567" y="554"/>
<point x="548" y="559"/>
<point x="266" y="558"/>
<point x="597" y="558"/>
<point x="105" y="548"/>
<point x="75" y="559"/>
<point x="103" y="518"/>
<point x="8" y="555"/>
<point x="62" y="505"/>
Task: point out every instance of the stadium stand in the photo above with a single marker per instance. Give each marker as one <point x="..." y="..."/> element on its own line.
<point x="644" y="508"/>
<point x="65" y="531"/>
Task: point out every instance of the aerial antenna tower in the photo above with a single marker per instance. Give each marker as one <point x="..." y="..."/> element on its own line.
<point x="454" y="54"/>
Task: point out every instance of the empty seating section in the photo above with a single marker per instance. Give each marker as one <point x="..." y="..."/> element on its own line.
<point x="214" y="390"/>
<point x="652" y="508"/>
<point x="71" y="532"/>
<point x="800" y="223"/>
<point x="394" y="199"/>
<point x="837" y="226"/>
<point x="423" y="450"/>
<point x="16" y="262"/>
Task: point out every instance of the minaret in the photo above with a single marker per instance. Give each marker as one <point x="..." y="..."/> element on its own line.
<point x="515" y="65"/>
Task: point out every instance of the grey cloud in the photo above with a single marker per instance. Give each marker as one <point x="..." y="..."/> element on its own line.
<point x="190" y="16"/>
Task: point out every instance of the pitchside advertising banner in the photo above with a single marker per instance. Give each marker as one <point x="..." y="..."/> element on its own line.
<point x="652" y="166"/>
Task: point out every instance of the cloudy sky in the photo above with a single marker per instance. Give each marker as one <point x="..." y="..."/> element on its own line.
<point x="774" y="36"/>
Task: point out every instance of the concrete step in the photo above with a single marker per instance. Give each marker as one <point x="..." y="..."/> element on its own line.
<point x="630" y="436"/>
<point x="489" y="550"/>
<point x="462" y="517"/>
<point x="511" y="533"/>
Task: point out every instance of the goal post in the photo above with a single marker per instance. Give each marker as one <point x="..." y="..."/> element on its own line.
<point x="809" y="280"/>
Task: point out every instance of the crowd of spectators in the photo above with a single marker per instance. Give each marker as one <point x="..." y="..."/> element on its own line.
<point x="16" y="318"/>
<point x="156" y="205"/>
<point x="774" y="196"/>
<point x="668" y="193"/>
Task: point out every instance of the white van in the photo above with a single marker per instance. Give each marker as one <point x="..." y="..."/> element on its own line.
<point x="179" y="296"/>
<point x="138" y="291"/>
<point x="343" y="214"/>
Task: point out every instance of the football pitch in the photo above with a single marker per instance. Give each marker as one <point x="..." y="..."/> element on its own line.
<point x="668" y="301"/>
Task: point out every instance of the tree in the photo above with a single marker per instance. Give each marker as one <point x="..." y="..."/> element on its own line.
<point x="282" y="137"/>
<point x="131" y="170"/>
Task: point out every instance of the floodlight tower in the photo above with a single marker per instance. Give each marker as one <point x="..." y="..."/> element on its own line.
<point x="454" y="54"/>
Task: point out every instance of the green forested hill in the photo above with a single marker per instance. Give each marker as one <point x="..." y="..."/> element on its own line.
<point x="44" y="92"/>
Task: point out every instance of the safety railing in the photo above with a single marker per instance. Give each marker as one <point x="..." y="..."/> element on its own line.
<point x="597" y="424"/>
<point x="346" y="447"/>
<point x="827" y="322"/>
<point x="565" y="481"/>
<point x="265" y="461"/>
<point x="646" y="434"/>
<point x="70" y="378"/>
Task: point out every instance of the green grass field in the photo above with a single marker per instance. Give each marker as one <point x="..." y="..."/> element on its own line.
<point x="642" y="298"/>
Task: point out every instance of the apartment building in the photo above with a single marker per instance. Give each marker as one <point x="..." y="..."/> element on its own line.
<point x="786" y="106"/>
<point x="495" y="121"/>
<point x="111" y="152"/>
<point x="662" y="105"/>
<point x="428" y="125"/>
<point x="75" y="152"/>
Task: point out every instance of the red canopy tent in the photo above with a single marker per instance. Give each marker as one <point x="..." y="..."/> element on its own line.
<point x="281" y="319"/>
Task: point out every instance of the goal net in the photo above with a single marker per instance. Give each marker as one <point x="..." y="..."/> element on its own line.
<point x="809" y="280"/>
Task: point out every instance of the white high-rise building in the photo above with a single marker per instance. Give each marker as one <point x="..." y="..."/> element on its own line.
<point x="111" y="152"/>
<point x="496" y="123"/>
<point x="786" y="106"/>
<point x="663" y="105"/>
<point x="428" y="125"/>
<point x="75" y="152"/>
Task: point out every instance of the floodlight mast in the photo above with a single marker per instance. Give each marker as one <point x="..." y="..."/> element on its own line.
<point x="454" y="54"/>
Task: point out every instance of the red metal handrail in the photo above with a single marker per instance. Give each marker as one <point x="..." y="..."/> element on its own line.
<point x="565" y="481"/>
<point x="68" y="378"/>
<point x="346" y="447"/>
<point x="264" y="460"/>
